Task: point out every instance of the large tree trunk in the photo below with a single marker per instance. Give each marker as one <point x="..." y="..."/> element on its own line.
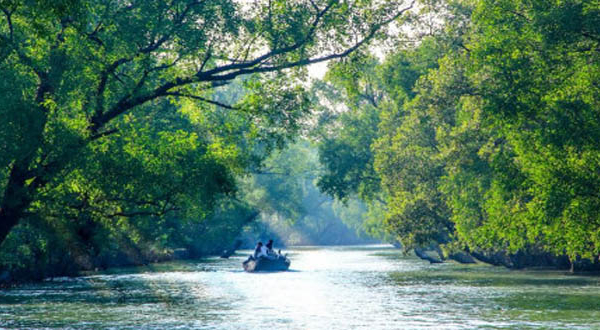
<point x="423" y="255"/>
<point x="462" y="257"/>
<point x="16" y="199"/>
<point x="18" y="193"/>
<point x="8" y="220"/>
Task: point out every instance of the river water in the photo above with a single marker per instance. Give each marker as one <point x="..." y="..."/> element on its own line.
<point x="365" y="287"/>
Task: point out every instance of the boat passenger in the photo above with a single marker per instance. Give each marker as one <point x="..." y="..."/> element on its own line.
<point x="259" y="251"/>
<point x="264" y="251"/>
<point x="270" y="252"/>
<point x="270" y="247"/>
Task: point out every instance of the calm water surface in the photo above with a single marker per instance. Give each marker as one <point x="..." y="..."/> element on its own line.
<point x="367" y="287"/>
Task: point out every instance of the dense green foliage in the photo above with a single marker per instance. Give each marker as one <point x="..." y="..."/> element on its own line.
<point x="131" y="128"/>
<point x="488" y="130"/>
<point x="122" y="131"/>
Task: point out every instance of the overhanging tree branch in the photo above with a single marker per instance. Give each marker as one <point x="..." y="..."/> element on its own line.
<point x="153" y="46"/>
<point x="8" y="16"/>
<point x="238" y="69"/>
<point x="272" y="53"/>
<point x="142" y="213"/>
<point x="200" y="98"/>
<point x="103" y="134"/>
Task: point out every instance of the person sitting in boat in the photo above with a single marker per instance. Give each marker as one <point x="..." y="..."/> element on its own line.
<point x="259" y="251"/>
<point x="270" y="247"/>
<point x="271" y="254"/>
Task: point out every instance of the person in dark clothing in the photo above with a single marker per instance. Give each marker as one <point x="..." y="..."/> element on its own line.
<point x="270" y="246"/>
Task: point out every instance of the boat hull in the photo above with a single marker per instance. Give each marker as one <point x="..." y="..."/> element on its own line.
<point x="266" y="265"/>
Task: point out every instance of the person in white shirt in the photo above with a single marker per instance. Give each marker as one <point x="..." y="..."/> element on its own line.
<point x="259" y="251"/>
<point x="264" y="251"/>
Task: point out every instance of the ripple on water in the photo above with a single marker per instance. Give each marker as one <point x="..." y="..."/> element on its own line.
<point x="367" y="287"/>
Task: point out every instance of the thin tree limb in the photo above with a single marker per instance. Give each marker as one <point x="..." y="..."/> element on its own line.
<point x="195" y="97"/>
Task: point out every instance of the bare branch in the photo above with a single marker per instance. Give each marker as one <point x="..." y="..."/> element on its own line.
<point x="247" y="52"/>
<point x="8" y="15"/>
<point x="155" y="44"/>
<point x="200" y="98"/>
<point x="314" y="5"/>
<point x="142" y="213"/>
<point x="145" y="50"/>
<point x="165" y="66"/>
<point x="103" y="134"/>
<point x="26" y="60"/>
<point x="94" y="35"/>
<point x="102" y="85"/>
<point x="206" y="58"/>
<point x="519" y="14"/>
<point x="245" y="68"/>
<point x="590" y="36"/>
<point x="272" y="53"/>
<point x="238" y="69"/>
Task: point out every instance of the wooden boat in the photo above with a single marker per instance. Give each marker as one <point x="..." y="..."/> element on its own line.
<point x="266" y="264"/>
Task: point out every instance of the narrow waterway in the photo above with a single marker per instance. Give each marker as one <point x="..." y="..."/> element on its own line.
<point x="366" y="287"/>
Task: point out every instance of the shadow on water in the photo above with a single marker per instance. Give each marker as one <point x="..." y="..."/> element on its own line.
<point x="516" y="290"/>
<point x="275" y="271"/>
<point x="130" y="297"/>
<point x="192" y="265"/>
<point x="483" y="276"/>
<point x="115" y="286"/>
<point x="98" y="292"/>
<point x="551" y="301"/>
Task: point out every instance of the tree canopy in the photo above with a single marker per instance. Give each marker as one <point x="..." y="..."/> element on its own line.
<point x="128" y="125"/>
<point x="85" y="83"/>
<point x="133" y="126"/>
<point x="487" y="135"/>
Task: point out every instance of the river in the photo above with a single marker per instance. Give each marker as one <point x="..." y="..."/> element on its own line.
<point x="360" y="287"/>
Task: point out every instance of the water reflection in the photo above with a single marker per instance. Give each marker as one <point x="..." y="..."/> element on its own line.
<point x="372" y="287"/>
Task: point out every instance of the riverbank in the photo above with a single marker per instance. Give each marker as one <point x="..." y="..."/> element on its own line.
<point x="515" y="262"/>
<point x="69" y="268"/>
<point x="519" y="260"/>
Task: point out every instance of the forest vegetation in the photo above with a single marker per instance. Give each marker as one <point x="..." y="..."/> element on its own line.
<point x="134" y="128"/>
<point x="128" y="125"/>
<point x="482" y="136"/>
